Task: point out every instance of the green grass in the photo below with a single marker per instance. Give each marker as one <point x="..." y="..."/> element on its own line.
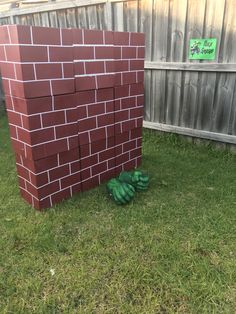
<point x="172" y="250"/>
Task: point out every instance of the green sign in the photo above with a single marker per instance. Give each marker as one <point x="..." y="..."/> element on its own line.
<point x="201" y="49"/>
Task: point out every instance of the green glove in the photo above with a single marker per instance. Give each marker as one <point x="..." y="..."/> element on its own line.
<point x="136" y="178"/>
<point x="121" y="192"/>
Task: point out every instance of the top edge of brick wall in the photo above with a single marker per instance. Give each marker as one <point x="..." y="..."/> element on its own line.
<point x="24" y="34"/>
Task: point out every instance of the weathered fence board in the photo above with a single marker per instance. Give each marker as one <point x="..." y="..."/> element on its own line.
<point x="179" y="93"/>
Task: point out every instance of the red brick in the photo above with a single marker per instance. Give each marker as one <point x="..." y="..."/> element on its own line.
<point x="45" y="164"/>
<point x="33" y="54"/>
<point x="53" y="118"/>
<point x="18" y="147"/>
<point x="128" y="125"/>
<point x="6" y="86"/>
<point x="32" y="189"/>
<point x="128" y="102"/>
<point x="46" y="36"/>
<point x="77" y="36"/>
<point x="83" y="138"/>
<point x="136" y="65"/>
<point x="105" y="119"/>
<point x="90" y="183"/>
<point x="105" y="94"/>
<point x="136" y="112"/>
<point x="118" y="80"/>
<point x="136" y="133"/>
<point x="75" y="166"/>
<point x="96" y="109"/>
<point x="122" y="91"/>
<point x="93" y="36"/>
<point x="129" y="146"/>
<point x="22" y="183"/>
<point x="97" y="134"/>
<point x="87" y="124"/>
<point x="68" y="156"/>
<point x="64" y="101"/>
<point x="73" y="141"/>
<point x="70" y="180"/>
<point x="68" y="70"/>
<point x="121" y="38"/>
<point x="85" y="97"/>
<point x="88" y="161"/>
<point x="13" y="131"/>
<point x="110" y="106"/>
<point x="110" y="142"/>
<point x="137" y="39"/>
<point x="45" y="203"/>
<point x="48" y="71"/>
<point x="104" y="52"/>
<point x="32" y="106"/>
<point x="76" y="188"/>
<point x="83" y="53"/>
<point x="72" y="115"/>
<point x="109" y="37"/>
<point x="122" y="138"/>
<point x="13" y="53"/>
<point x="48" y="189"/>
<point x="140" y="76"/>
<point x="104" y="81"/>
<point x="79" y="68"/>
<point x="117" y="52"/>
<point x="109" y="66"/>
<point x="139" y="123"/>
<point x="7" y="70"/>
<point x="39" y="179"/>
<point x="60" y="196"/>
<point x="121" y="65"/>
<point x="129" y="165"/>
<point x="129" y="77"/>
<point x="41" y="136"/>
<point x="14" y="118"/>
<point x="121" y="115"/>
<point x="136" y="89"/>
<point x="31" y="122"/>
<point x="94" y="67"/>
<point x="26" y="196"/>
<point x="85" y="83"/>
<point x="85" y="150"/>
<point x="67" y="36"/>
<point x="20" y="34"/>
<point x="61" y="54"/>
<point x="140" y="100"/>
<point x="105" y="176"/>
<point x="9" y="102"/>
<point x="141" y="52"/>
<point x="136" y="153"/>
<point x="122" y="158"/>
<point x="2" y="54"/>
<point x="66" y="130"/>
<point x="59" y="172"/>
<point x="128" y="52"/>
<point x="30" y="89"/>
<point x="107" y="154"/>
<point x="98" y="146"/>
<point x="23" y="172"/>
<point x="63" y="86"/>
<point x="118" y="129"/>
<point x="97" y="169"/>
<point x="4" y="37"/>
<point x="24" y="72"/>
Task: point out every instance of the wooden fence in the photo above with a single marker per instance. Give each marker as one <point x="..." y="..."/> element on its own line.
<point x="195" y="98"/>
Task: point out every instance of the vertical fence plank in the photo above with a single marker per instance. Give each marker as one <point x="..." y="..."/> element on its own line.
<point x="53" y="19"/>
<point x="131" y="16"/>
<point x="81" y="18"/>
<point x="118" y="16"/>
<point x="223" y="107"/>
<point x="159" y="53"/>
<point x="190" y="80"/>
<point x="175" y="53"/>
<point x="92" y="17"/>
<point x="212" y="29"/>
<point x="45" y="19"/>
<point x="71" y="17"/>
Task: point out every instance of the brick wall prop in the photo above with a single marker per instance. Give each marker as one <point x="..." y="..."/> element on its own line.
<point x="74" y="100"/>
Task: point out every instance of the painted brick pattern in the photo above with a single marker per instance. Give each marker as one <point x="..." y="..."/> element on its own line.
<point x="75" y="107"/>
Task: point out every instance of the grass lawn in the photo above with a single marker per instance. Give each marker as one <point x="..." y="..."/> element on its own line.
<point x="172" y="250"/>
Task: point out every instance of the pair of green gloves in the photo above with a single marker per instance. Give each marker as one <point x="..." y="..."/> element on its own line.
<point x="122" y="189"/>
